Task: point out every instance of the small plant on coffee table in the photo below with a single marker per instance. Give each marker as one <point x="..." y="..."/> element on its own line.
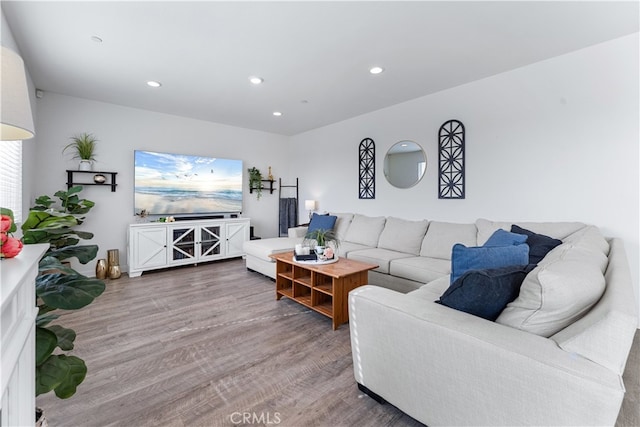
<point x="321" y="237"/>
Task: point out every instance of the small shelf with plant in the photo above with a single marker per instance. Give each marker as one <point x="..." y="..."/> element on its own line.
<point x="256" y="182"/>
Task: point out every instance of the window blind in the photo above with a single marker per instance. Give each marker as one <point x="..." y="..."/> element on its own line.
<point x="11" y="177"/>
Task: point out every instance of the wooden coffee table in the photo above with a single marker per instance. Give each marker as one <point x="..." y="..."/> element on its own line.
<point x="321" y="287"/>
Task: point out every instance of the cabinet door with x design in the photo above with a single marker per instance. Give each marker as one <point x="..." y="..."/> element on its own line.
<point x="193" y="243"/>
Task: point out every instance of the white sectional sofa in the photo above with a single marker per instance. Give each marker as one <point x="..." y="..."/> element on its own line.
<point x="554" y="356"/>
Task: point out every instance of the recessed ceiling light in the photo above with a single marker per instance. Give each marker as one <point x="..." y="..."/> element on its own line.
<point x="277" y="113"/>
<point x="255" y="80"/>
<point x="376" y="70"/>
<point x="153" y="83"/>
<point x="96" y="39"/>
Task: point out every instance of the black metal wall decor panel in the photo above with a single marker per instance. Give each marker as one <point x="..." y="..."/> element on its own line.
<point x="451" y="160"/>
<point x="367" y="169"/>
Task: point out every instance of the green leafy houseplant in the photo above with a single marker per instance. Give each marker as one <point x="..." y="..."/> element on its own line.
<point x="321" y="237"/>
<point x="59" y="287"/>
<point x="85" y="146"/>
<point x="255" y="181"/>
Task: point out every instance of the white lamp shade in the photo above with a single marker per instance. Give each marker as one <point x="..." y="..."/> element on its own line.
<point x="309" y="205"/>
<point x="15" y="111"/>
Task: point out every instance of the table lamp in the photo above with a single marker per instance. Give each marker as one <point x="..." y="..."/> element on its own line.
<point x="310" y="205"/>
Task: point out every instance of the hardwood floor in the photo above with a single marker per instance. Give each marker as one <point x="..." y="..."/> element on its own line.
<point x="211" y="346"/>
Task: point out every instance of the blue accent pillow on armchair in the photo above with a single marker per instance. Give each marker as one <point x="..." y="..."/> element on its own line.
<point x="485" y="293"/>
<point x="322" y="222"/>
<point x="465" y="258"/>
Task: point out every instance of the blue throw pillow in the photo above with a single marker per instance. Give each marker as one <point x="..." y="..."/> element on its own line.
<point x="502" y="237"/>
<point x="322" y="222"/>
<point x="539" y="244"/>
<point x="465" y="258"/>
<point x="485" y="293"/>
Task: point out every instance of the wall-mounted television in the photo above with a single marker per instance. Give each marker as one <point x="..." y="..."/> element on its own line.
<point x="179" y="184"/>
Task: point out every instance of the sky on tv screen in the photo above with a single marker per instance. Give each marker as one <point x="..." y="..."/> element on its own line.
<point x="168" y="183"/>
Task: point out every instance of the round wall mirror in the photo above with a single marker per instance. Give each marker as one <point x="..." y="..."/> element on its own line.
<point x="405" y="164"/>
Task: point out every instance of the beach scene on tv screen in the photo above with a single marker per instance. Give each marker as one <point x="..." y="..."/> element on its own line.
<point x="168" y="183"/>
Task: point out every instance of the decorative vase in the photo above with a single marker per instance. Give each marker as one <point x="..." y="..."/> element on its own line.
<point x="113" y="263"/>
<point x="85" y="165"/>
<point x="114" y="272"/>
<point x="113" y="257"/>
<point x="101" y="269"/>
<point x="99" y="179"/>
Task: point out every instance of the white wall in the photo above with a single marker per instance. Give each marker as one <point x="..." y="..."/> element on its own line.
<point x="120" y="131"/>
<point x="553" y="141"/>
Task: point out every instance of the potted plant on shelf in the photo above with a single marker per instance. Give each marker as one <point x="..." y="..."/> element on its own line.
<point x="85" y="146"/>
<point x="59" y="287"/>
<point x="255" y="181"/>
<point x="320" y="239"/>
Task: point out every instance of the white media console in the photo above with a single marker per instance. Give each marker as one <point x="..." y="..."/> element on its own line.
<point x="155" y="245"/>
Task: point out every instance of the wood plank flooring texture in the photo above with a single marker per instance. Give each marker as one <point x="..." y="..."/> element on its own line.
<point x="211" y="346"/>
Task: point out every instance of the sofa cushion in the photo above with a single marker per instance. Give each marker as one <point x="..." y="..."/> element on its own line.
<point x="420" y="269"/>
<point x="343" y="220"/>
<point x="557" y="230"/>
<point x="485" y="293"/>
<point x="539" y="244"/>
<point x="465" y="258"/>
<point x="262" y="248"/>
<point x="365" y="230"/>
<point x="441" y="236"/>
<point x="402" y="235"/>
<point x="554" y="295"/>
<point x="575" y="252"/>
<point x="502" y="237"/>
<point x="589" y="237"/>
<point x="346" y="247"/>
<point x="605" y="334"/>
<point x="321" y="222"/>
<point x="381" y="257"/>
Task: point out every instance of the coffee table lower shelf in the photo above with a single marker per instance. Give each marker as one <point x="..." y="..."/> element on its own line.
<point x="322" y="288"/>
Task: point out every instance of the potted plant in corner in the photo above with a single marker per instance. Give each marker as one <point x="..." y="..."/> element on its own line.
<point x="59" y="287"/>
<point x="255" y="181"/>
<point x="322" y="240"/>
<point x="85" y="146"/>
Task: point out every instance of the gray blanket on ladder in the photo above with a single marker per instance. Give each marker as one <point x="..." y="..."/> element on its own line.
<point x="288" y="214"/>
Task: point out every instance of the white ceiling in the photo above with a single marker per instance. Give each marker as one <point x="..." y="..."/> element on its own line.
<point x="314" y="56"/>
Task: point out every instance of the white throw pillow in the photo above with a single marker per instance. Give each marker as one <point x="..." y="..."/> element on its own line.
<point x="554" y="295"/>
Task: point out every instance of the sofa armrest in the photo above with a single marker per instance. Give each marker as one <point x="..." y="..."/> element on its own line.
<point x="299" y="231"/>
<point x="446" y="367"/>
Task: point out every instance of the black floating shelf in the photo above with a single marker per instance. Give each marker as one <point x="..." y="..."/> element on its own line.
<point x="110" y="183"/>
<point x="263" y="187"/>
